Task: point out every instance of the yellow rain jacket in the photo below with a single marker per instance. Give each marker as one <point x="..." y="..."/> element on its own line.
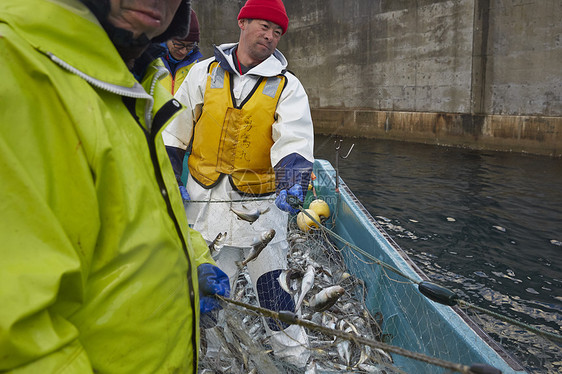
<point x="98" y="268"/>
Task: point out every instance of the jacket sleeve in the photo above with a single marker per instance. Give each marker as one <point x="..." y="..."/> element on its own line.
<point x="41" y="272"/>
<point x="293" y="131"/>
<point x="177" y="135"/>
<point x="179" y="132"/>
<point x="176" y="156"/>
<point x="201" y="252"/>
<point x="40" y="276"/>
<point x="41" y="269"/>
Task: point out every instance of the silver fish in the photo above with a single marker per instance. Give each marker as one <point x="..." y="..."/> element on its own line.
<point x="217" y="243"/>
<point x="257" y="247"/>
<point x="249" y="215"/>
<point x="285" y="279"/>
<point x="385" y="357"/>
<point x="344" y="351"/>
<point x="371" y="369"/>
<point x="306" y="285"/>
<point x="311" y="367"/>
<point x="365" y="353"/>
<point x="325" y="298"/>
<point x="329" y="320"/>
<point x="350" y="326"/>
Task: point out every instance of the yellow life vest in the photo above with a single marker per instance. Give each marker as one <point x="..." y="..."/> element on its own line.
<point x="236" y="141"/>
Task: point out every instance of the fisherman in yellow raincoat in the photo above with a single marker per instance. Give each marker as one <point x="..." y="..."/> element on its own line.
<point x="99" y="271"/>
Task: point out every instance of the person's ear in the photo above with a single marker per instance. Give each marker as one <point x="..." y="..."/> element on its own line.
<point x="242" y="23"/>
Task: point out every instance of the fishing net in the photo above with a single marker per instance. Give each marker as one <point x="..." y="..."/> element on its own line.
<point x="240" y="342"/>
<point x="376" y="324"/>
<point x="241" y="334"/>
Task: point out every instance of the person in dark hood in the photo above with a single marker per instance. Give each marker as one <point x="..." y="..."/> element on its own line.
<point x="99" y="270"/>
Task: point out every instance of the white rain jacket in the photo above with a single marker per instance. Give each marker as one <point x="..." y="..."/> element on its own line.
<point x="292" y="132"/>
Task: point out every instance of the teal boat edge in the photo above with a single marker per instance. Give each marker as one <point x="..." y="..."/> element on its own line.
<point x="413" y="321"/>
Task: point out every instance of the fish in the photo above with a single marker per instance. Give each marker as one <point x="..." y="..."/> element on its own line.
<point x="296" y="238"/>
<point x="325" y="298"/>
<point x="371" y="368"/>
<point x="329" y="321"/>
<point x="384" y="356"/>
<point x="311" y="367"/>
<point x="344" y="351"/>
<point x="365" y="353"/>
<point x="343" y="276"/>
<point x="350" y="326"/>
<point x="344" y="346"/>
<point x="306" y="285"/>
<point x="257" y="247"/>
<point x="499" y="228"/>
<point x="249" y="215"/>
<point x="217" y="243"/>
<point x="285" y="279"/>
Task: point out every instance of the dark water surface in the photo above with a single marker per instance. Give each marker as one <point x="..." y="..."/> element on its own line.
<point x="485" y="224"/>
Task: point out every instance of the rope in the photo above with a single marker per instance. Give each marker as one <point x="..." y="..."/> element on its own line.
<point x="356" y="248"/>
<point x="291" y="318"/>
<point x="232" y="200"/>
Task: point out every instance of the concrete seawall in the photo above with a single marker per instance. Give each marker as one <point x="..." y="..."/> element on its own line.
<point x="484" y="74"/>
<point x="527" y="134"/>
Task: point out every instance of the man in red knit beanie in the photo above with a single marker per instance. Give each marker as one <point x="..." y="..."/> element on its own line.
<point x="270" y="10"/>
<point x="249" y="124"/>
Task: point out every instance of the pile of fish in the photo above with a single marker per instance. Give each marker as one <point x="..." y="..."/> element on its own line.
<point x="324" y="293"/>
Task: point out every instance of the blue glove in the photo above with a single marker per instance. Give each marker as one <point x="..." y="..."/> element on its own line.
<point x="212" y="281"/>
<point x="281" y="200"/>
<point x="184" y="194"/>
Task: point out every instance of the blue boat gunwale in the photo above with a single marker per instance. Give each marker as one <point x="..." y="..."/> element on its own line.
<point x="345" y="197"/>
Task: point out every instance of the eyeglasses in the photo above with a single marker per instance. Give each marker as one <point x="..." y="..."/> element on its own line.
<point x="187" y="46"/>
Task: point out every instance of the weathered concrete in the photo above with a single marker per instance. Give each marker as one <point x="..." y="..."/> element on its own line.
<point x="476" y="73"/>
<point x="537" y="135"/>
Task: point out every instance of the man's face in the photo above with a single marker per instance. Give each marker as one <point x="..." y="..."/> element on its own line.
<point x="151" y="17"/>
<point x="179" y="49"/>
<point x="259" y="38"/>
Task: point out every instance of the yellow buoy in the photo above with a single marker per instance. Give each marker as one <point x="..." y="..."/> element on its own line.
<point x="305" y="223"/>
<point x="321" y="208"/>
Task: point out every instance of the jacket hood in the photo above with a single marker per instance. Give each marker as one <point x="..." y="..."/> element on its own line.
<point x="274" y="65"/>
<point x="178" y="28"/>
<point x="74" y="36"/>
<point x="130" y="47"/>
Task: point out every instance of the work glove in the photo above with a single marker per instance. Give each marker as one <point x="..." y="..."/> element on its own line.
<point x="184" y="194"/>
<point x="212" y="281"/>
<point x="281" y="200"/>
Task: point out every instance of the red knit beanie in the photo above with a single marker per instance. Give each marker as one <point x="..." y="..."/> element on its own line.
<point x="193" y="35"/>
<point x="269" y="10"/>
